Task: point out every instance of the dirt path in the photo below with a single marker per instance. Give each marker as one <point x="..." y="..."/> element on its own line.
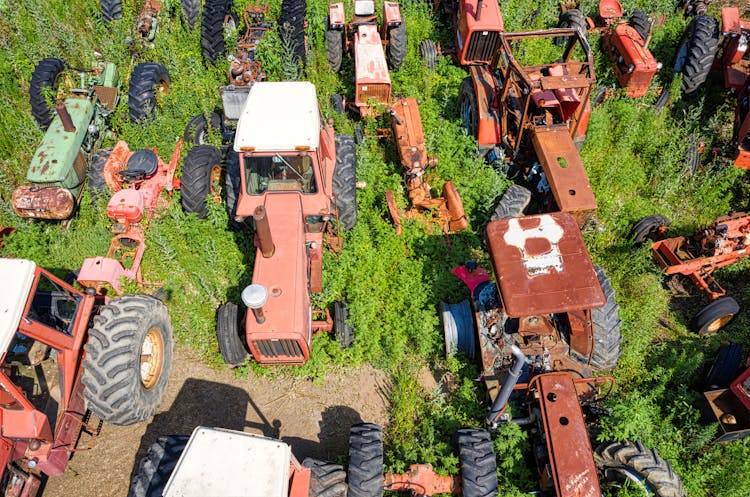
<point x="313" y="419"/>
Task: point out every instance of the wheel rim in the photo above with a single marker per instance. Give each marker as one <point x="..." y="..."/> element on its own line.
<point x="719" y="323"/>
<point x="230" y="26"/>
<point x="215" y="179"/>
<point x="152" y="358"/>
<point x="161" y="91"/>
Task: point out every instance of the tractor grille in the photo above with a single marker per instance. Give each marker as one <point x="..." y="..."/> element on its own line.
<point x="378" y="92"/>
<point x="482" y="46"/>
<point x="279" y="348"/>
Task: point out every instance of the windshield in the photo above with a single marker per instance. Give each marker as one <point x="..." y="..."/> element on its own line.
<point x="52" y="306"/>
<point x="279" y="172"/>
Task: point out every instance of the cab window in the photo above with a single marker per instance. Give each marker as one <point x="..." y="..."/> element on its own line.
<point x="52" y="306"/>
<point x="278" y="173"/>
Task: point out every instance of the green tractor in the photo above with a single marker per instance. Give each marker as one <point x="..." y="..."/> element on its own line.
<point x="73" y="132"/>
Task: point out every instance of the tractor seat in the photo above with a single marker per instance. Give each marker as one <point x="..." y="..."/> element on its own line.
<point x="142" y="164"/>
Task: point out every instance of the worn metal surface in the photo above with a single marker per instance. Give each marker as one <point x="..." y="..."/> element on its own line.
<point x="43" y="202"/>
<point x="732" y="56"/>
<point x="635" y="65"/>
<point x="542" y="265"/>
<point x="373" y="81"/>
<point x="421" y="479"/>
<point x="244" y="68"/>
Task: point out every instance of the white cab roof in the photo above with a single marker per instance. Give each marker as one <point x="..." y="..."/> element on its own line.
<point x="230" y="463"/>
<point x="279" y="117"/>
<point x="16" y="278"/>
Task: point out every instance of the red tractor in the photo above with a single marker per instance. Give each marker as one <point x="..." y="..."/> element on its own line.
<point x="728" y="394"/>
<point x="365" y="40"/>
<point x="532" y="117"/>
<point x="224" y="463"/>
<point x="137" y="180"/>
<point x="67" y="354"/>
<point x="724" y="242"/>
<point x="447" y="210"/>
<point x="293" y="179"/>
<point x="543" y="327"/>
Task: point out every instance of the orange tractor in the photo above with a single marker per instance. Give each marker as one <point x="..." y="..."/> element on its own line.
<point x="542" y="328"/>
<point x="625" y="40"/>
<point x="532" y="117"/>
<point x="137" y="179"/>
<point x="724" y="242"/>
<point x="65" y="355"/>
<point x="293" y="180"/>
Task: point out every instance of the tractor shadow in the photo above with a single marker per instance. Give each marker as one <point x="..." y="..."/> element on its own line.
<point x="333" y="436"/>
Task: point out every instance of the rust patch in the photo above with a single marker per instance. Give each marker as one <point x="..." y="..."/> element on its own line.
<point x="43" y="202"/>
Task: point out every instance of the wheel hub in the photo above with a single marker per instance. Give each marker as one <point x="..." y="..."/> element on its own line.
<point x="152" y="358"/>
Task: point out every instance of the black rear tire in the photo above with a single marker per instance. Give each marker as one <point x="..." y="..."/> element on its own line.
<point x="626" y="461"/>
<point x="571" y="18"/>
<point x="98" y="188"/>
<point x="606" y="320"/>
<point x="696" y="52"/>
<point x="45" y="75"/>
<point x="467" y="106"/>
<point x="648" y="228"/>
<point x="125" y="331"/>
<point x="157" y="466"/>
<point x="428" y="51"/>
<point x="397" y="45"/>
<point x="229" y="331"/>
<point x="197" y="169"/>
<point x="341" y="328"/>
<point x="716" y="315"/>
<point x="513" y="203"/>
<point x="191" y="9"/>
<point x="334" y="47"/>
<point x="724" y="369"/>
<point x="197" y="129"/>
<point x="476" y="456"/>
<point x="337" y="102"/>
<point x="639" y="21"/>
<point x="365" y="476"/>
<point x="232" y="188"/>
<point x="345" y="181"/>
<point x="293" y="14"/>
<point x="215" y="12"/>
<point x="326" y="479"/>
<point x="148" y="81"/>
<point x="111" y="10"/>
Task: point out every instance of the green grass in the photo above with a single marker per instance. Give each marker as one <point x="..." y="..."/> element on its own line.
<point x="635" y="157"/>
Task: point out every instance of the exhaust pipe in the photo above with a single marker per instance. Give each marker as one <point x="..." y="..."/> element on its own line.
<point x="263" y="230"/>
<point x="511" y="379"/>
<point x="479" y="9"/>
<point x="65" y="118"/>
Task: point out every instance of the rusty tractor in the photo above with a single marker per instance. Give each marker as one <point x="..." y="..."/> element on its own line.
<point x="532" y="118"/>
<point x="60" y="366"/>
<point x="362" y="37"/>
<point x="624" y="40"/>
<point x="137" y="180"/>
<point x="477" y="25"/>
<point x="447" y="210"/>
<point x="547" y="323"/>
<point x="58" y="169"/>
<point x="728" y="393"/>
<point x="147" y="21"/>
<point x="697" y="256"/>
<point x="245" y="464"/>
<point x="293" y="179"/>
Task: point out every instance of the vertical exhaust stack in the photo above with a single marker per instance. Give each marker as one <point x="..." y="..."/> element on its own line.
<point x="263" y="230"/>
<point x="65" y="118"/>
<point x="511" y="379"/>
<point x="479" y="10"/>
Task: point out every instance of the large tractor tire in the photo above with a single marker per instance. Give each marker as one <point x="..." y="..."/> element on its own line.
<point x="345" y="181"/>
<point x="478" y="465"/>
<point x="326" y="479"/>
<point x="696" y="52"/>
<point x="724" y="369"/>
<point x="467" y="106"/>
<point x="191" y="9"/>
<point x="639" y="21"/>
<point x="341" y="328"/>
<point x="148" y="82"/>
<point x="128" y="358"/>
<point x="197" y="129"/>
<point x="606" y="321"/>
<point x="293" y="15"/>
<point x="365" y="478"/>
<point x="111" y="10"/>
<point x="232" y="188"/>
<point x="98" y="188"/>
<point x="199" y="170"/>
<point x="45" y="75"/>
<point x="429" y="52"/>
<point x="230" y="334"/>
<point x="513" y="203"/>
<point x="334" y="47"/>
<point x="397" y="45"/>
<point x="216" y="13"/>
<point x="155" y="469"/>
<point x="571" y="18"/>
<point x="716" y="315"/>
<point x="622" y="462"/>
<point x="648" y="228"/>
<point x="458" y="328"/>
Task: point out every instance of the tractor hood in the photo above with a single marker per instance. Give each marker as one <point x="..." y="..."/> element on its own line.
<point x="18" y="275"/>
<point x="542" y="266"/>
<point x="54" y="159"/>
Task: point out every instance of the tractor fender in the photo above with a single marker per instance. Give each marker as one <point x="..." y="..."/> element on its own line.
<point x="336" y="16"/>
<point x="488" y="118"/>
<point x="392" y="14"/>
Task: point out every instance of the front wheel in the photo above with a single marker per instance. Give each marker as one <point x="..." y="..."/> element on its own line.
<point x="648" y="228"/>
<point x="428" y="51"/>
<point x="229" y="332"/>
<point x="716" y="315"/>
<point x="341" y="328"/>
<point x="128" y="358"/>
<point x="623" y="463"/>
